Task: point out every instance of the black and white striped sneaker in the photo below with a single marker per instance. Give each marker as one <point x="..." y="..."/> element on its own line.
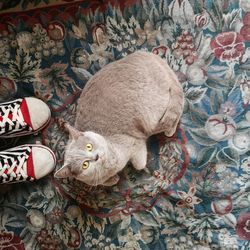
<point x="25" y="163"/>
<point x="23" y="116"/>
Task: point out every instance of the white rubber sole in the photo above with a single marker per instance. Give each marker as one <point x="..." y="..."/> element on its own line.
<point x="24" y="133"/>
<point x="32" y="145"/>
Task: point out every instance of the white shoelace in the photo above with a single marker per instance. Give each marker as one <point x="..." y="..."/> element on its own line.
<point x="12" y="118"/>
<point x="13" y="164"/>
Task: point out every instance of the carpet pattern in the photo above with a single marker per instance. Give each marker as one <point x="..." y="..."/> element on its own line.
<point x="196" y="194"/>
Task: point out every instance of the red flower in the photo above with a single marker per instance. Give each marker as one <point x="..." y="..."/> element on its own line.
<point x="246" y="19"/>
<point x="160" y="50"/>
<point x="56" y="31"/>
<point x="75" y="238"/>
<point x="245" y="32"/>
<point x="243" y="226"/>
<point x="10" y="241"/>
<point x="228" y="46"/>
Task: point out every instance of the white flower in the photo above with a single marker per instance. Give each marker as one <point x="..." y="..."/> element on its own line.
<point x="196" y="75"/>
<point x="220" y="127"/>
<point x="73" y="211"/>
<point x="220" y="168"/>
<point x="245" y="5"/>
<point x="246" y="165"/>
<point x="24" y="40"/>
<point x="36" y="219"/>
<point x="49" y="192"/>
<point x="240" y="142"/>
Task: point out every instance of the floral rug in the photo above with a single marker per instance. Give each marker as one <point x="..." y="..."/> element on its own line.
<point x="196" y="194"/>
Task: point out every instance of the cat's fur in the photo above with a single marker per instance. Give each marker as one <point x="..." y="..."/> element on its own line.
<point x="122" y="105"/>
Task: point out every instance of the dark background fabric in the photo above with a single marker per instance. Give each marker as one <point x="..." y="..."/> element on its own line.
<point x="196" y="194"/>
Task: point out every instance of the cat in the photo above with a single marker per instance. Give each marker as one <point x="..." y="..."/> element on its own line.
<point x="122" y="105"/>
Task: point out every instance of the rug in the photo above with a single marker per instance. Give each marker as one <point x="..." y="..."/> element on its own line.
<point x="196" y="194"/>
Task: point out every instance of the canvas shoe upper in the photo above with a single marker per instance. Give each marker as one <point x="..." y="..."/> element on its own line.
<point x="25" y="163"/>
<point x="23" y="116"/>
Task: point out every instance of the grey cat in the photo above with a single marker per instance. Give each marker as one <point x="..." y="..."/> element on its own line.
<point x="120" y="107"/>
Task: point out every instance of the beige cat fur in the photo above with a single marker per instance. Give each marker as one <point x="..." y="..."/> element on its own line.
<point x="120" y="107"/>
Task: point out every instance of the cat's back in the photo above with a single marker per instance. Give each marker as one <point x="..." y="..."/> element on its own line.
<point x="127" y="96"/>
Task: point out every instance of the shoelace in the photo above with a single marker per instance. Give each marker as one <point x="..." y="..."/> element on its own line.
<point x="12" y="118"/>
<point x="13" y="164"/>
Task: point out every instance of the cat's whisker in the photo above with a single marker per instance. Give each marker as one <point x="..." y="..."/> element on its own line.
<point x="95" y="182"/>
<point x="98" y="176"/>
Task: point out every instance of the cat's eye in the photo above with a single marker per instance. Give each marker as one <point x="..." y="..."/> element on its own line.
<point x="89" y="147"/>
<point x="85" y="165"/>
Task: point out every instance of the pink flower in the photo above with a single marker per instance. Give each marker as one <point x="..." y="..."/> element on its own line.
<point x="56" y="31"/>
<point x="227" y="108"/>
<point x="160" y="50"/>
<point x="223" y="206"/>
<point x="243" y="226"/>
<point x="188" y="199"/>
<point x="75" y="239"/>
<point x="245" y="32"/>
<point x="228" y="46"/>
<point x="202" y="19"/>
<point x="55" y="216"/>
<point x="10" y="241"/>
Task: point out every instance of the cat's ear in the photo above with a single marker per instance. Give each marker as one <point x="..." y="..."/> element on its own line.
<point x="73" y="132"/>
<point x="63" y="172"/>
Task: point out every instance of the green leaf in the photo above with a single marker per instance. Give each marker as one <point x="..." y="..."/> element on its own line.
<point x="195" y="94"/>
<point x="199" y="117"/>
<point x="245" y="66"/>
<point x="14" y="210"/>
<point x="126" y="222"/>
<point x="146" y="218"/>
<point x="243" y="126"/>
<point x="228" y="156"/>
<point x="23" y="69"/>
<point x="203" y="226"/>
<point x="16" y="223"/>
<point x="113" y="229"/>
<point x="201" y="137"/>
<point x="35" y="200"/>
<point x="206" y="155"/>
<point x="218" y="84"/>
<point x="37" y="2"/>
<point x="216" y="99"/>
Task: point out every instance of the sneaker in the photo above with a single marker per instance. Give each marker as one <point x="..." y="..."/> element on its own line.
<point x="23" y="116"/>
<point x="25" y="163"/>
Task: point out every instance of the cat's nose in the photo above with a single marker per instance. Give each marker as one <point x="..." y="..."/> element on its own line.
<point x="96" y="157"/>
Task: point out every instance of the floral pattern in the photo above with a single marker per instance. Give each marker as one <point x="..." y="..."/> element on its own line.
<point x="195" y="193"/>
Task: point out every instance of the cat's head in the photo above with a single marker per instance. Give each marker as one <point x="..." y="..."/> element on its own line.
<point x="85" y="156"/>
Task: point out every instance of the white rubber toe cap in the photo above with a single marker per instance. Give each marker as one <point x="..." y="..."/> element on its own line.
<point x="43" y="161"/>
<point x="39" y="112"/>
